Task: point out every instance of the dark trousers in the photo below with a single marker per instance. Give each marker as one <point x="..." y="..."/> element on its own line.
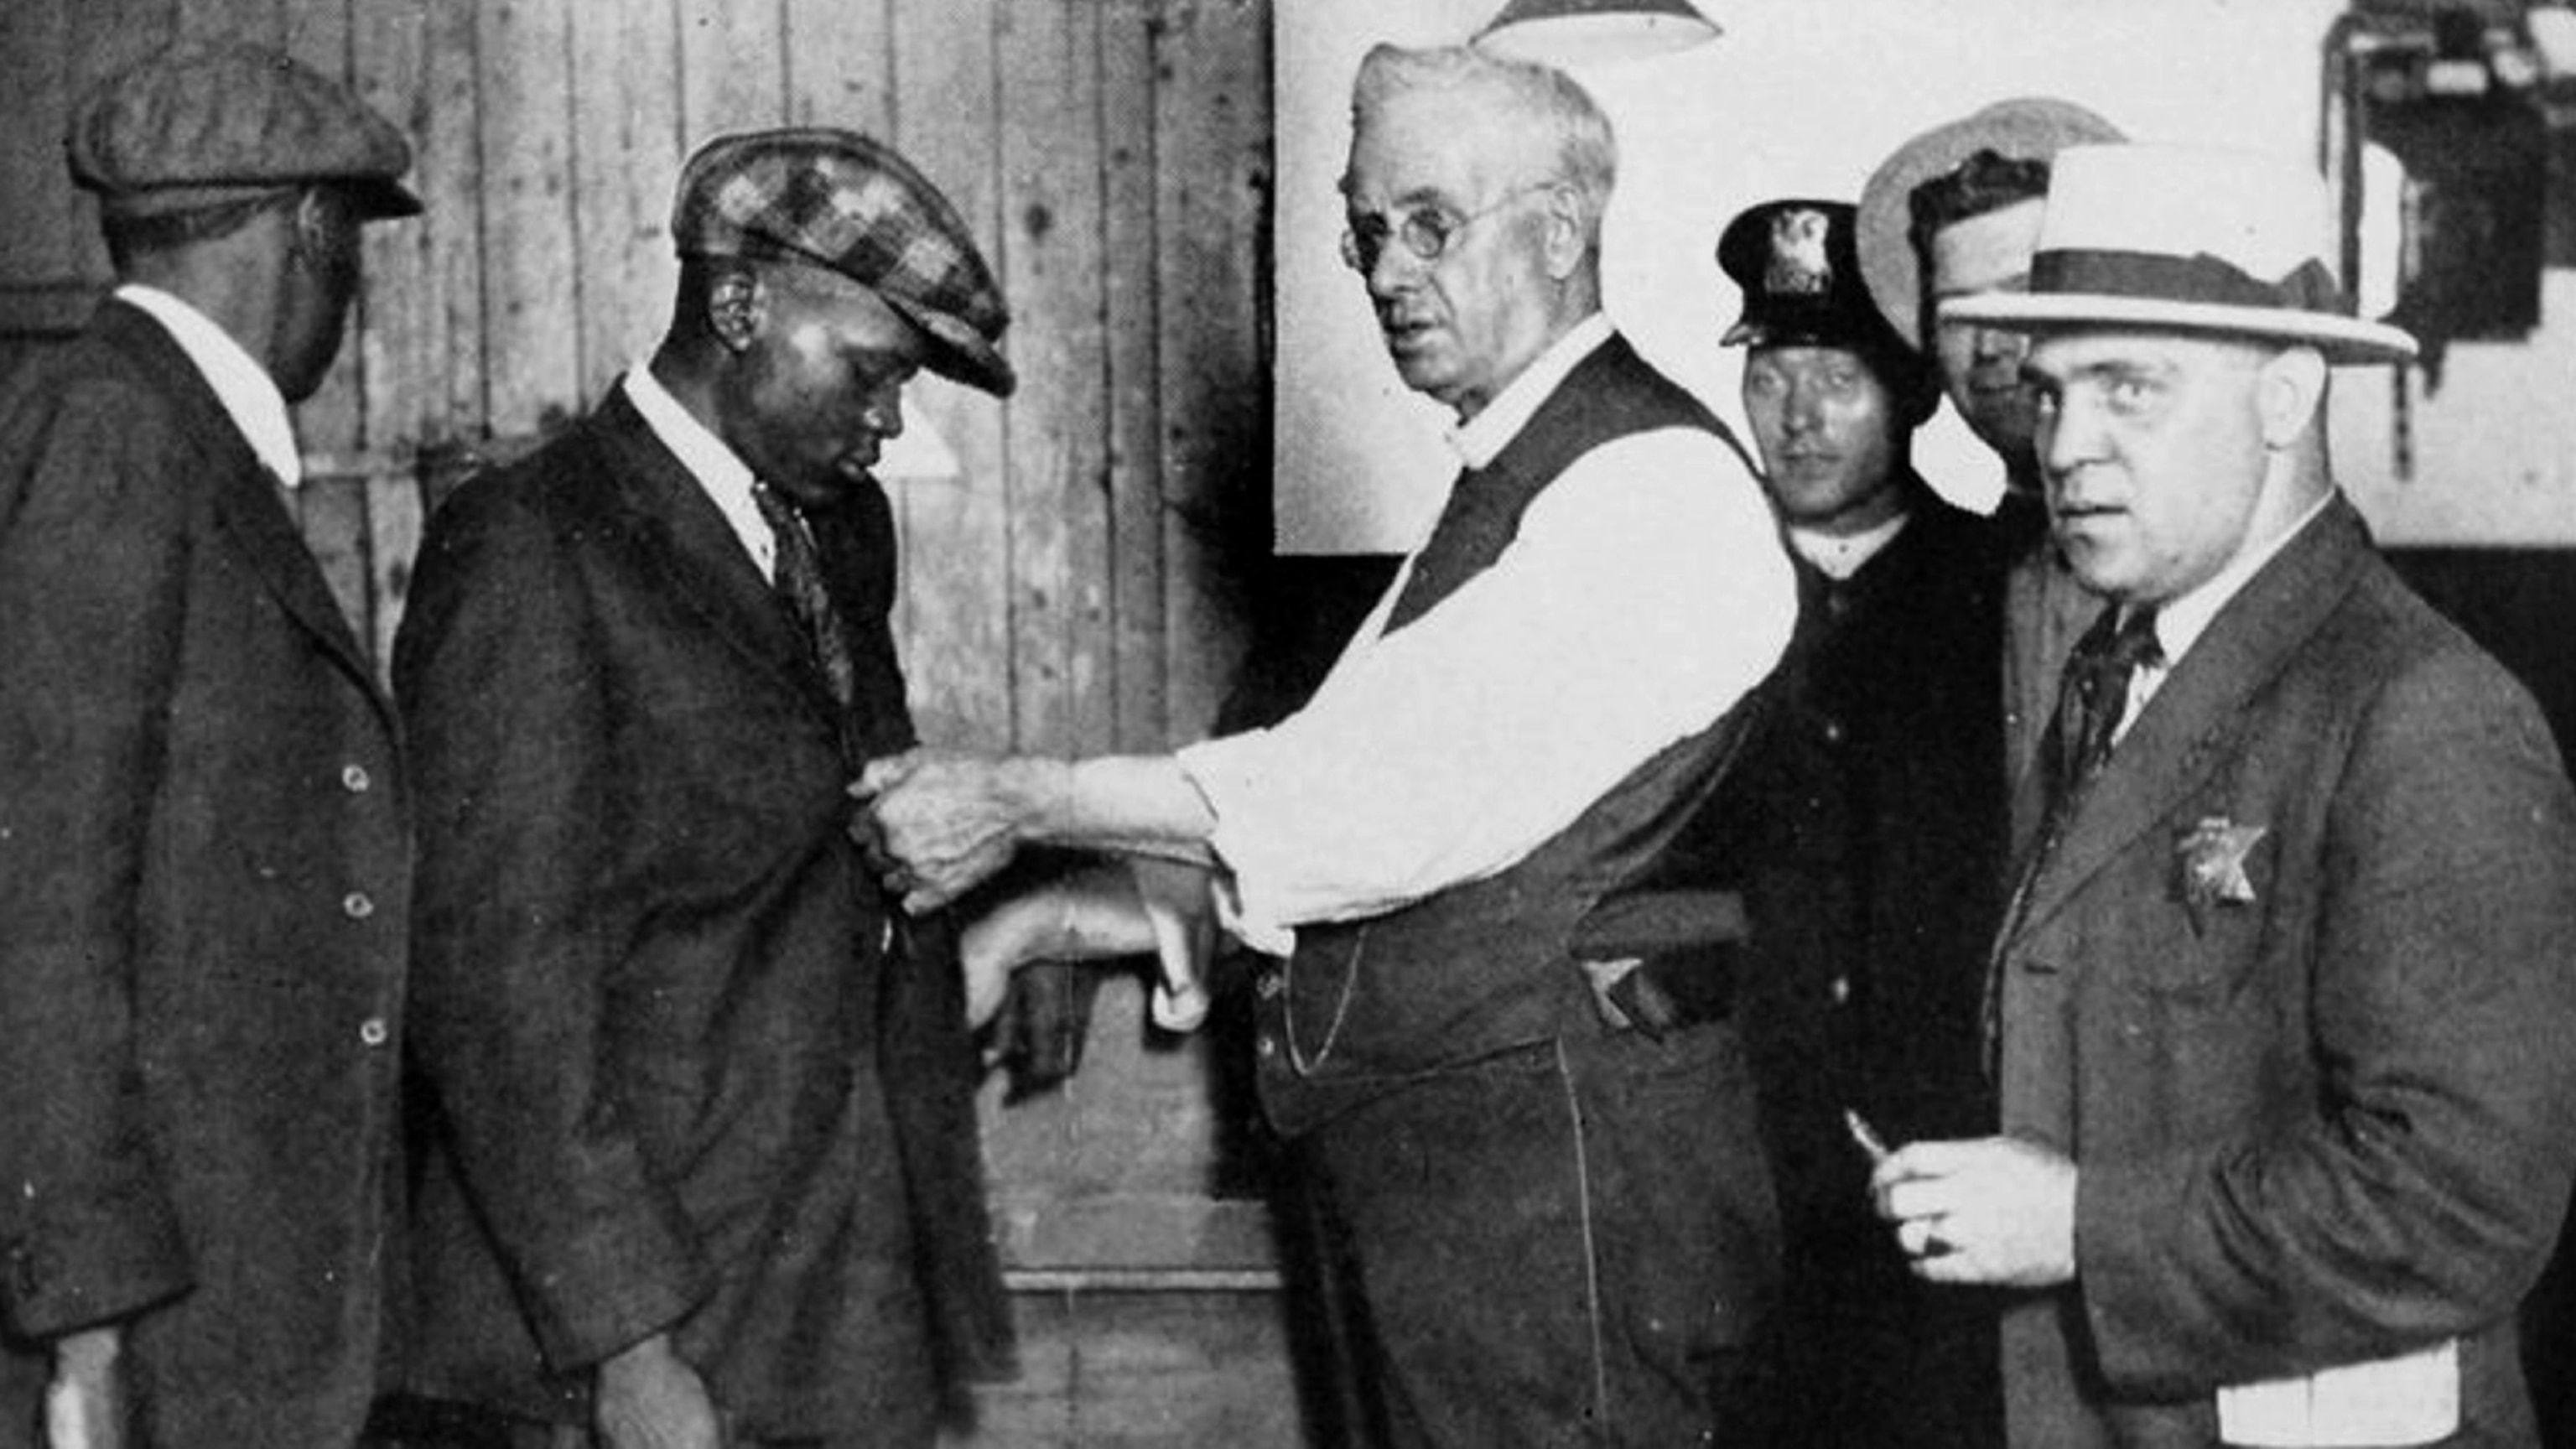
<point x="1559" y="1247"/>
<point x="1860" y="1354"/>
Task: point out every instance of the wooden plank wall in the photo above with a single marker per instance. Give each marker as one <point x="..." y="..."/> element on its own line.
<point x="1075" y="590"/>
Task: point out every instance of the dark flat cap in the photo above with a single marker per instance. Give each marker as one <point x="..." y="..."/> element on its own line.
<point x="840" y="201"/>
<point x="201" y="124"/>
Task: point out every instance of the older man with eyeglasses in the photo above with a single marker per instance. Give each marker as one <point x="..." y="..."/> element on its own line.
<point x="1558" y="1219"/>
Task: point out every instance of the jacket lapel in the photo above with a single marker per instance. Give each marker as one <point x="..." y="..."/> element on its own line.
<point x="246" y="495"/>
<point x="684" y="536"/>
<point x="2190" y="726"/>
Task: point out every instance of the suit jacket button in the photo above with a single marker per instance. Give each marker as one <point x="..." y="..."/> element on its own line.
<point x="356" y="906"/>
<point x="1270" y="983"/>
<point x="1268" y="1046"/>
<point x="372" y="1031"/>
<point x="355" y="779"/>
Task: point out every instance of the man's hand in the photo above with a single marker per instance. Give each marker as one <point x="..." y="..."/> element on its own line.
<point x="1180" y="907"/>
<point x="1016" y="932"/>
<point x="85" y="1400"/>
<point x="649" y="1398"/>
<point x="1122" y="907"/>
<point x="1996" y="1210"/>
<point x="941" y="824"/>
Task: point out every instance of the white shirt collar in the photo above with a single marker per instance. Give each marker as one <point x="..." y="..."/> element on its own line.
<point x="720" y="471"/>
<point x="1838" y="556"/>
<point x="248" y="394"/>
<point x="1483" y="436"/>
<point x="2181" y="621"/>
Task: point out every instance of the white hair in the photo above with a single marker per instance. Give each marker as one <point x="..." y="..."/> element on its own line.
<point x="1556" y="116"/>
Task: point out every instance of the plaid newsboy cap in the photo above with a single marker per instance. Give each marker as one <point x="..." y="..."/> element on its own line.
<point x="199" y="124"/>
<point x="838" y="200"/>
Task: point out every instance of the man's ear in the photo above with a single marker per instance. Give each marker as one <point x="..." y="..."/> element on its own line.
<point x="736" y="304"/>
<point x="2291" y="391"/>
<point x="308" y="225"/>
<point x="1564" y="217"/>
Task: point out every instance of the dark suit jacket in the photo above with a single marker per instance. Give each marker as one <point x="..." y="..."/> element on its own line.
<point x="1865" y="821"/>
<point x="2336" y="1121"/>
<point x="689" y="1082"/>
<point x="2045" y="611"/>
<point x="203" y="866"/>
<point x="1863" y="825"/>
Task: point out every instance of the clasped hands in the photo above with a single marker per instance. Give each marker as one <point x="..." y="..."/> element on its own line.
<point x="1992" y="1210"/>
<point x="937" y="825"/>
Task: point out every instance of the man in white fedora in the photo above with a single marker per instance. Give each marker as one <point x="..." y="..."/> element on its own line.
<point x="2282" y="1003"/>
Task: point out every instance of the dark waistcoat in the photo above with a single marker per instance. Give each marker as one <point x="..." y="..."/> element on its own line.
<point x="1483" y="968"/>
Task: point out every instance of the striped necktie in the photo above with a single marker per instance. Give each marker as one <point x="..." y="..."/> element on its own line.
<point x="799" y="584"/>
<point x="2092" y="698"/>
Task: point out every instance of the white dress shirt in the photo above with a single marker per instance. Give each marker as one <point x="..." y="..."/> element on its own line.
<point x="1645" y="592"/>
<point x="719" y="470"/>
<point x="248" y="394"/>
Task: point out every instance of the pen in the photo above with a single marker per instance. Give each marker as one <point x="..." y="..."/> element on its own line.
<point x="1869" y="1140"/>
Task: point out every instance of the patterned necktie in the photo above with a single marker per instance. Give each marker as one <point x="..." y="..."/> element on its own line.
<point x="2092" y="697"/>
<point x="799" y="582"/>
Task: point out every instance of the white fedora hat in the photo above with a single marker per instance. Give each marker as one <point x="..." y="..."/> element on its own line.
<point x="2177" y="238"/>
<point x="2025" y="128"/>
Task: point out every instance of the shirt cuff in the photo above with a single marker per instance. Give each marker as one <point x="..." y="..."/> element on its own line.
<point x="1223" y="771"/>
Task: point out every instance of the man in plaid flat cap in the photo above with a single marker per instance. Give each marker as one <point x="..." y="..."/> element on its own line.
<point x="711" y="1171"/>
<point x="203" y="841"/>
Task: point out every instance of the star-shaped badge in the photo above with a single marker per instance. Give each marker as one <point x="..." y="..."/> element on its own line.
<point x="2212" y="854"/>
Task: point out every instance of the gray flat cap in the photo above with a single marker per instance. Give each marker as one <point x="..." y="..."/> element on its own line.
<point x="201" y="124"/>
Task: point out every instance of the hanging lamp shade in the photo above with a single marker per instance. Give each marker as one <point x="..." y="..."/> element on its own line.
<point x="1587" y="32"/>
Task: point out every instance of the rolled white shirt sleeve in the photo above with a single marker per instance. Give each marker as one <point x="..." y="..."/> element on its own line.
<point x="1645" y="593"/>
